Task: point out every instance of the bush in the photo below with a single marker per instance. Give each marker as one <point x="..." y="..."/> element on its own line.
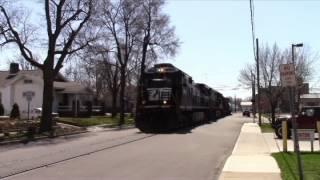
<point x="1" y="110"/>
<point x="15" y="112"/>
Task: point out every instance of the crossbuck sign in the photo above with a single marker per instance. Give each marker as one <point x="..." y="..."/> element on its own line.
<point x="287" y="75"/>
<point x="28" y="95"/>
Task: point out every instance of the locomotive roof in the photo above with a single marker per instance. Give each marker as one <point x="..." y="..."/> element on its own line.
<point x="205" y="87"/>
<point x="168" y="67"/>
<point x="164" y="65"/>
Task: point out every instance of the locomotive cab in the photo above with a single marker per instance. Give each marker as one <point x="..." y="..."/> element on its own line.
<point x="156" y="110"/>
<point x="157" y="91"/>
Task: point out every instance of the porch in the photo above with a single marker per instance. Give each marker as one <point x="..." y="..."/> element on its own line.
<point x="73" y="100"/>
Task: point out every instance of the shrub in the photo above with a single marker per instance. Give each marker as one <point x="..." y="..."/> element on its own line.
<point x="15" y="112"/>
<point x="1" y="110"/>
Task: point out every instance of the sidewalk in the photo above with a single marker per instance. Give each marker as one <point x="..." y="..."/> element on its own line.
<point x="250" y="159"/>
<point x="276" y="145"/>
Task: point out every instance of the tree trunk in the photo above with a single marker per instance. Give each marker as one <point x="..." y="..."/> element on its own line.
<point x="122" y="93"/>
<point x="46" y="116"/>
<point x="142" y="69"/>
<point x="273" y="115"/>
<point x="114" y="102"/>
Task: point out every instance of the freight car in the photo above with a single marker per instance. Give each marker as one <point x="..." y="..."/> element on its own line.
<point x="170" y="99"/>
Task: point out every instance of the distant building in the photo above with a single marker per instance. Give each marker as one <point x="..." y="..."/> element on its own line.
<point x="312" y="99"/>
<point x="246" y="106"/>
<point x="283" y="104"/>
<point x="70" y="98"/>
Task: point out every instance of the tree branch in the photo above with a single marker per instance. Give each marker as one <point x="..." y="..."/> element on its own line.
<point x="69" y="42"/>
<point x="26" y="53"/>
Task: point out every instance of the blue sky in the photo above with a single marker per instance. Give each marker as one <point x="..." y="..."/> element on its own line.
<point x="216" y="36"/>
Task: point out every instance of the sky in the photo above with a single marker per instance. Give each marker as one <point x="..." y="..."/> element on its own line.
<point x="217" y="41"/>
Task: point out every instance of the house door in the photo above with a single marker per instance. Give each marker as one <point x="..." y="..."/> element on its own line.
<point x="75" y="108"/>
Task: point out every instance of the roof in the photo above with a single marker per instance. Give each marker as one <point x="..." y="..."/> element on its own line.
<point x="310" y="96"/>
<point x="5" y="78"/>
<point x="246" y="103"/>
<point x="61" y="84"/>
<point x="71" y="88"/>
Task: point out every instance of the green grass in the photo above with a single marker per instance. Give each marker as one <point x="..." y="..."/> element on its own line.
<point x="266" y="115"/>
<point x="288" y="165"/>
<point x="97" y="120"/>
<point x="12" y="137"/>
<point x="266" y="128"/>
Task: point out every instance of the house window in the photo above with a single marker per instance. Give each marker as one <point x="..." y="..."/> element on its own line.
<point x="28" y="81"/>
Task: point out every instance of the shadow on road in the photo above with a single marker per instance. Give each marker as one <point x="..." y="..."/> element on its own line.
<point x="184" y="130"/>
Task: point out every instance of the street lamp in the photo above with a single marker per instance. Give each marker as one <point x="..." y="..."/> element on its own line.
<point x="292" y="49"/>
<point x="293" y="62"/>
<point x="294" y="122"/>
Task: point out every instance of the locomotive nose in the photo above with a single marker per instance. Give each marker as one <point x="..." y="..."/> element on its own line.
<point x="159" y="95"/>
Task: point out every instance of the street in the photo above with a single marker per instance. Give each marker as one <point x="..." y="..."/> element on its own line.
<point x="197" y="153"/>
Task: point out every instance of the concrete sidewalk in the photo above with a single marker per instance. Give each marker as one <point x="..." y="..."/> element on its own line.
<point x="251" y="159"/>
<point x="276" y="145"/>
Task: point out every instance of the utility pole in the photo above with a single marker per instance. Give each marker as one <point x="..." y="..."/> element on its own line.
<point x="258" y="80"/>
<point x="235" y="103"/>
<point x="253" y="96"/>
<point x="294" y="121"/>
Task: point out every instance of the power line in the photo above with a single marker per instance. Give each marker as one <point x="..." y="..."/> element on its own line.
<point x="256" y="57"/>
<point x="252" y="27"/>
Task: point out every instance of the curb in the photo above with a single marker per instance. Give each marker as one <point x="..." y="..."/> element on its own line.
<point x="63" y="135"/>
<point x="39" y="138"/>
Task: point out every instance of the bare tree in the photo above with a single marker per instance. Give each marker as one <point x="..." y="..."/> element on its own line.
<point x="246" y="75"/>
<point x="24" y="65"/>
<point x="270" y="60"/>
<point x="156" y="34"/>
<point x="111" y="76"/>
<point x="120" y="20"/>
<point x="133" y="34"/>
<point x="65" y="20"/>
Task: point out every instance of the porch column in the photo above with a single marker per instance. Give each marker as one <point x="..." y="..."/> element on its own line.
<point x="76" y="105"/>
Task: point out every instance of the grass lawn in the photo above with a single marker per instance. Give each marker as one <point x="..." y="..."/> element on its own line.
<point x="266" y="128"/>
<point x="288" y="165"/>
<point x="12" y="136"/>
<point x="266" y="115"/>
<point x="96" y="120"/>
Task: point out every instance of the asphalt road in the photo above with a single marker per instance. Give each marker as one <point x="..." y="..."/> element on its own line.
<point x="197" y="154"/>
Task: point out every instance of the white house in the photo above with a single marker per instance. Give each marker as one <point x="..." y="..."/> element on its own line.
<point x="16" y="86"/>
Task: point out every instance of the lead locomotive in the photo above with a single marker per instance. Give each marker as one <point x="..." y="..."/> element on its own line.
<point x="170" y="99"/>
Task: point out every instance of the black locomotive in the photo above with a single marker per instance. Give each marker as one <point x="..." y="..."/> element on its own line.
<point x="170" y="99"/>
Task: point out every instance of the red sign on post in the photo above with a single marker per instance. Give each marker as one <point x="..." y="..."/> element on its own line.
<point x="287" y="75"/>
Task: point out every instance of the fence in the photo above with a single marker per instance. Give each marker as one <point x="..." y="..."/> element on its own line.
<point x="80" y="111"/>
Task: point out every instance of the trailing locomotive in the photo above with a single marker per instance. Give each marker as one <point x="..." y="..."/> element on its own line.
<point x="170" y="99"/>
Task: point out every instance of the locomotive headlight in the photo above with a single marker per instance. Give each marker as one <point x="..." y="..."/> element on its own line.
<point x="164" y="102"/>
<point x="161" y="70"/>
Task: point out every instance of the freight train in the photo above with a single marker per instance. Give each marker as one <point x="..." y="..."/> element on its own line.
<point x="171" y="99"/>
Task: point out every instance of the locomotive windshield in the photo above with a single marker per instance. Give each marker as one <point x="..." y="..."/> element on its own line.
<point x="158" y="83"/>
